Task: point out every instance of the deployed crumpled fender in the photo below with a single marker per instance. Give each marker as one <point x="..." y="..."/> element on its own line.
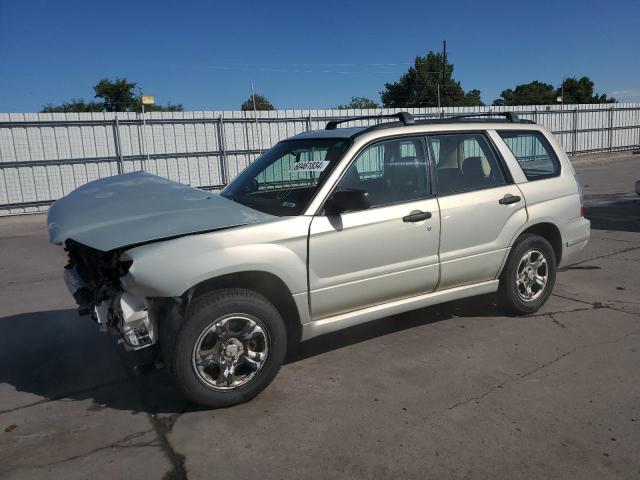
<point x="136" y="208"/>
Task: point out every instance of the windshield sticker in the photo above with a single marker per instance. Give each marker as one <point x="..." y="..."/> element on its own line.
<point x="318" y="166"/>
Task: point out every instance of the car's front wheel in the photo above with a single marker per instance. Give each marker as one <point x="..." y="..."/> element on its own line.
<point x="229" y="348"/>
<point x="528" y="276"/>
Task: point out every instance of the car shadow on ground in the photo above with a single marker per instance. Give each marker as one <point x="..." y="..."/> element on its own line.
<point x="480" y="306"/>
<point x="57" y="355"/>
<point x="618" y="212"/>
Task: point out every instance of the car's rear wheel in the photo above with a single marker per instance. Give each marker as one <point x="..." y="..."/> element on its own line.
<point x="229" y="348"/>
<point x="528" y="276"/>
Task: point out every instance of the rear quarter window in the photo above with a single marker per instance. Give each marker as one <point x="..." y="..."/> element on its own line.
<point x="535" y="155"/>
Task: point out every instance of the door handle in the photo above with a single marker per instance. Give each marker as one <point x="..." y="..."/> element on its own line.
<point x="509" y="199"/>
<point x="416" y="216"/>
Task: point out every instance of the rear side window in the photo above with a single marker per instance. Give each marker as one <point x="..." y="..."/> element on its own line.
<point x="534" y="154"/>
<point x="464" y="162"/>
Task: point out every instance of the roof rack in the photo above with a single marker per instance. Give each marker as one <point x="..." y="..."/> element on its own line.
<point x="405" y="117"/>
<point x="511" y="116"/>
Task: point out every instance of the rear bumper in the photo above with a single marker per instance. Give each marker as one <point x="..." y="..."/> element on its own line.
<point x="575" y="236"/>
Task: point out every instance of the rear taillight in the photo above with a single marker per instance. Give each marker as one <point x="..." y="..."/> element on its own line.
<point x="581" y="195"/>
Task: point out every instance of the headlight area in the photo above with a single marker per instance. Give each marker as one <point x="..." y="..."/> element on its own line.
<point x="134" y="319"/>
<point x="94" y="278"/>
<point x="130" y="317"/>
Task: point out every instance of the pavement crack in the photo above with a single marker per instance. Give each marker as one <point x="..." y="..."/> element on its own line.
<point x="510" y="380"/>
<point x="595" y="305"/>
<point x="624" y="250"/>
<point x="592" y="304"/>
<point x="556" y="321"/>
<point x="66" y="395"/>
<point x="163" y="427"/>
<point x="44" y="278"/>
<point x="542" y="366"/>
<point x="546" y="314"/>
<point x="119" y="444"/>
<point x="623" y="241"/>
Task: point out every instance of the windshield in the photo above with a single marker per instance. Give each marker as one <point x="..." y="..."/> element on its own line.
<point x="284" y="179"/>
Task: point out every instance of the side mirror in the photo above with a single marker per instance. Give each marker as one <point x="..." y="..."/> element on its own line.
<point x="350" y="200"/>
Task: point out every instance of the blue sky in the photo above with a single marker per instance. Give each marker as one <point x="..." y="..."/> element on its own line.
<point x="204" y="54"/>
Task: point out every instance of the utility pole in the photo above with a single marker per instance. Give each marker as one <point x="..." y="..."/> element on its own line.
<point x="253" y="98"/>
<point x="444" y="59"/>
<point x="444" y="66"/>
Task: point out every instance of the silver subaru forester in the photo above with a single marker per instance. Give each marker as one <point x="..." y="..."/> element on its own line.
<point x="326" y="230"/>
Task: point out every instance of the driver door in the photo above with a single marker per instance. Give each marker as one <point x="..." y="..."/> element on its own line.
<point x="387" y="252"/>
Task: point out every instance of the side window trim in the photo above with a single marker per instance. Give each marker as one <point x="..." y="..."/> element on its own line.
<point x="421" y="137"/>
<point x="502" y="164"/>
<point x="435" y="186"/>
<point x="431" y="165"/>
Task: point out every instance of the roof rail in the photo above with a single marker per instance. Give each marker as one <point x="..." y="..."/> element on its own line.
<point x="511" y="116"/>
<point x="404" y="117"/>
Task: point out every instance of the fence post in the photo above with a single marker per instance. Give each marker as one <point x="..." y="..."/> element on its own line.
<point x="145" y="163"/>
<point x="638" y="111"/>
<point x="223" y="152"/>
<point x="610" y="128"/>
<point x="575" y="130"/>
<point x="118" y="145"/>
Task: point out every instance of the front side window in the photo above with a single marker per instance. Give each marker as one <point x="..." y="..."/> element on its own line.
<point x="533" y="152"/>
<point x="464" y="162"/>
<point x="391" y="171"/>
<point x="285" y="178"/>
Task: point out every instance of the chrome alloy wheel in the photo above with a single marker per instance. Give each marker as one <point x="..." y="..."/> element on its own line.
<point x="230" y="351"/>
<point x="532" y="275"/>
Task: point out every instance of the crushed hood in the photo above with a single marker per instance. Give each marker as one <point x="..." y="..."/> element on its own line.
<point x="139" y="207"/>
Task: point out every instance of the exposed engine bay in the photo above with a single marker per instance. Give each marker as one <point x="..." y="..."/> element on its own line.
<point x="93" y="278"/>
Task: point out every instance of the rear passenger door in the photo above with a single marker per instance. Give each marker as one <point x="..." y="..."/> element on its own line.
<point x="480" y="208"/>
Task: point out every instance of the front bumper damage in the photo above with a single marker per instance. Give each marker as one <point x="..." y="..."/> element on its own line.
<point x="128" y="316"/>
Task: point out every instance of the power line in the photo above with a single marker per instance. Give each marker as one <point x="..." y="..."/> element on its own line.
<point x="260" y="68"/>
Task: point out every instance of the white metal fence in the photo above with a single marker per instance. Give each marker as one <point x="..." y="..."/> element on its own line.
<point x="44" y="156"/>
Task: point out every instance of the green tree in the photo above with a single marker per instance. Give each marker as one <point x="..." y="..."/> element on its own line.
<point x="359" y="102"/>
<point x="534" y="93"/>
<point x="471" y="99"/>
<point x="261" y="103"/>
<point x="419" y="86"/>
<point x="538" y="93"/>
<point x="75" y="105"/>
<point x="581" y="91"/>
<point x="116" y="96"/>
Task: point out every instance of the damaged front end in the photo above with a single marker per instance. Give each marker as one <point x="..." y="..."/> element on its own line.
<point x="93" y="278"/>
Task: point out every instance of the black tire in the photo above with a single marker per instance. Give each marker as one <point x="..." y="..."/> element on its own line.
<point x="509" y="297"/>
<point x="204" y="311"/>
